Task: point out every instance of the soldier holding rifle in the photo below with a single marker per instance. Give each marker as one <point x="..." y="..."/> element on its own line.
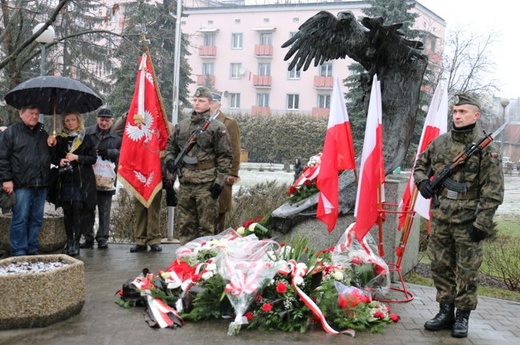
<point x="199" y="153"/>
<point x="462" y="215"/>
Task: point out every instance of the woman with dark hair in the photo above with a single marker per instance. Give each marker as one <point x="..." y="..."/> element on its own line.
<point x="75" y="154"/>
<point x="298" y="168"/>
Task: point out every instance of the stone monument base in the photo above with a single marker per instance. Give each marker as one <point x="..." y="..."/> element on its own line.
<point x="40" y="299"/>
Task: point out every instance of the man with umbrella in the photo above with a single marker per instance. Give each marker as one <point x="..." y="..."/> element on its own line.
<point x="25" y="170"/>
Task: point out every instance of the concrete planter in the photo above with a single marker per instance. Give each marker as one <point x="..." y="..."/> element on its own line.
<point x="40" y="299"/>
<point x="52" y="235"/>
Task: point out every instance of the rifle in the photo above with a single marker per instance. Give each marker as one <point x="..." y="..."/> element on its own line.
<point x="443" y="178"/>
<point x="181" y="157"/>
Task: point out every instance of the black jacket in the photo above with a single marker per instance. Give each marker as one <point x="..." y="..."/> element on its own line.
<point x="24" y="156"/>
<point x="82" y="169"/>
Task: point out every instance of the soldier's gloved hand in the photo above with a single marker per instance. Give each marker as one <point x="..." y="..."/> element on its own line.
<point x="425" y="188"/>
<point x="170" y="166"/>
<point x="171" y="197"/>
<point x="103" y="154"/>
<point x="215" y="190"/>
<point x="478" y="235"/>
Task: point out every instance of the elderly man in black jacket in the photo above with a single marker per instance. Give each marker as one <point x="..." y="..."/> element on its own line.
<point x="107" y="144"/>
<point x="25" y="170"/>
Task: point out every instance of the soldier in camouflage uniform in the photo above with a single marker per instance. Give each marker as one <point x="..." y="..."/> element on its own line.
<point x="204" y="172"/>
<point x="462" y="218"/>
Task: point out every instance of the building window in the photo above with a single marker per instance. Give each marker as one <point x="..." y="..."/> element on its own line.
<point x="293" y="102"/>
<point x="234" y="100"/>
<point x="266" y="39"/>
<point x="326" y="70"/>
<point x="209" y="39"/>
<point x="235" y="70"/>
<point x="295" y="19"/>
<point x="262" y="99"/>
<point x="264" y="68"/>
<point x="236" y="41"/>
<point x="266" y="20"/>
<point x="294" y="74"/>
<point x="237" y="21"/>
<point x="208" y="68"/>
<point x="323" y="101"/>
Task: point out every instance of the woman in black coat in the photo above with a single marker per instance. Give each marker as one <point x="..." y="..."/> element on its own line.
<point x="75" y="154"/>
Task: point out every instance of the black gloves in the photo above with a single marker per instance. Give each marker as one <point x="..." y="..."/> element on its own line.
<point x="426" y="189"/>
<point x="171" y="197"/>
<point x="478" y="235"/>
<point x="170" y="166"/>
<point x="215" y="190"/>
<point x="103" y="154"/>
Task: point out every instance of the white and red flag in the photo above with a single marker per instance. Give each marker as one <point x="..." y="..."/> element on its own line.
<point x="338" y="154"/>
<point x="436" y="123"/>
<point x="145" y="136"/>
<point x="370" y="192"/>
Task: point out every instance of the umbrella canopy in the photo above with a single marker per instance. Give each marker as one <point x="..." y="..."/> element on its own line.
<point x="54" y="95"/>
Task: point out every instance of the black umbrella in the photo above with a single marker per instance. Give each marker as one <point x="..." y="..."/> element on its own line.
<point x="54" y="95"/>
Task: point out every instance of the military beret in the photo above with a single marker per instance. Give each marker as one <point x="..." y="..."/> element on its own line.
<point x="216" y="96"/>
<point x="204" y="92"/>
<point x="464" y="98"/>
<point x="105" y="112"/>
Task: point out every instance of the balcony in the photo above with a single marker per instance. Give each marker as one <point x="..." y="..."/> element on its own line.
<point x="201" y="79"/>
<point x="263" y="50"/>
<point x="262" y="80"/>
<point x="323" y="82"/>
<point x="208" y="51"/>
<point x="257" y="110"/>
<point x="320" y="112"/>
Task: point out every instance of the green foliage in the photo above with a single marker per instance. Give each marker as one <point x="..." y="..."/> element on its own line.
<point x="210" y="301"/>
<point x="501" y="261"/>
<point x="279" y="139"/>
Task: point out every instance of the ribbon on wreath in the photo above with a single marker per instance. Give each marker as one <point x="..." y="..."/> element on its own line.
<point x="298" y="272"/>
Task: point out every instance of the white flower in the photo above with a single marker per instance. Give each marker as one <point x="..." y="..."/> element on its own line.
<point x="211" y="267"/>
<point x="206" y="275"/>
<point x="338" y="275"/>
<point x="241" y="231"/>
<point x="252" y="227"/>
<point x="298" y="280"/>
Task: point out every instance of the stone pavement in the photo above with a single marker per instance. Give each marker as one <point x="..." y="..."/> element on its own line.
<point x="103" y="322"/>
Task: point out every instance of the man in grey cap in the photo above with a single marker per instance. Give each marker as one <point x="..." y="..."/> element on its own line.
<point x="463" y="216"/>
<point x="107" y="145"/>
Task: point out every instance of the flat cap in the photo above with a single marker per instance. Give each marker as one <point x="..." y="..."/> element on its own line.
<point x="465" y="98"/>
<point x="105" y="112"/>
<point x="204" y="92"/>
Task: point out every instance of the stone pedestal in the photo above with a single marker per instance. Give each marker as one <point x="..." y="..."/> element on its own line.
<point x="40" y="299"/>
<point x="52" y="235"/>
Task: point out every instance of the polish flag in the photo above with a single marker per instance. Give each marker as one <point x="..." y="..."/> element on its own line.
<point x="145" y="136"/>
<point x="436" y="123"/>
<point x="370" y="190"/>
<point x="338" y="154"/>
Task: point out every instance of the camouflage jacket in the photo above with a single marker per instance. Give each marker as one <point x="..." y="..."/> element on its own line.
<point x="482" y="174"/>
<point x="212" y="150"/>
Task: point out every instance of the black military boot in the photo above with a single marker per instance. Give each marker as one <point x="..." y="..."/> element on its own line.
<point x="443" y="320"/>
<point x="460" y="328"/>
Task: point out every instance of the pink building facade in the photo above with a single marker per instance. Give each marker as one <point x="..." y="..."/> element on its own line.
<point x="237" y="50"/>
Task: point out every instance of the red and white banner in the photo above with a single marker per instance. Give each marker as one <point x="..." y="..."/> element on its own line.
<point x="145" y="136"/>
<point x="436" y="123"/>
<point x="370" y="190"/>
<point x="338" y="154"/>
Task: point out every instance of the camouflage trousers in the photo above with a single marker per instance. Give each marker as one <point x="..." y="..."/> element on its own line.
<point x="455" y="264"/>
<point x="196" y="211"/>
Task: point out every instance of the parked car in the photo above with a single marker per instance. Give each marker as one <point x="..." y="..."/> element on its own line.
<point x="507" y="165"/>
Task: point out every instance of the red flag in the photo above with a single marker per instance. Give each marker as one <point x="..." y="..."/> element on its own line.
<point x="436" y="123"/>
<point x="371" y="168"/>
<point x="145" y="136"/>
<point x="338" y="154"/>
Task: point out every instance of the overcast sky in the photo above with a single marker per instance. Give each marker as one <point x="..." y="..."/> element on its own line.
<point x="482" y="16"/>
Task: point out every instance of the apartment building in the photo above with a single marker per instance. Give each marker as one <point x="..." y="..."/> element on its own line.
<point x="236" y="48"/>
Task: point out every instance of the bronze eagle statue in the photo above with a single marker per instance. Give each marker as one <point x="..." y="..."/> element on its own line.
<point x="381" y="49"/>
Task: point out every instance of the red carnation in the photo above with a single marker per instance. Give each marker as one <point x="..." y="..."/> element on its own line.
<point x="281" y="288"/>
<point x="379" y="314"/>
<point x="394" y="317"/>
<point x="249" y="316"/>
<point x="266" y="308"/>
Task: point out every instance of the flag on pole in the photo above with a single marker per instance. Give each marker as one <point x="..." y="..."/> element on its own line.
<point x="144" y="138"/>
<point x="371" y="175"/>
<point x="338" y="154"/>
<point x="435" y="124"/>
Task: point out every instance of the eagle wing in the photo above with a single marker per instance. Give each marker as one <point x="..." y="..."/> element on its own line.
<point x="325" y="37"/>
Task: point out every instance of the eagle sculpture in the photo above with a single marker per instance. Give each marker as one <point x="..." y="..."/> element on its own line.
<point x="380" y="49"/>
